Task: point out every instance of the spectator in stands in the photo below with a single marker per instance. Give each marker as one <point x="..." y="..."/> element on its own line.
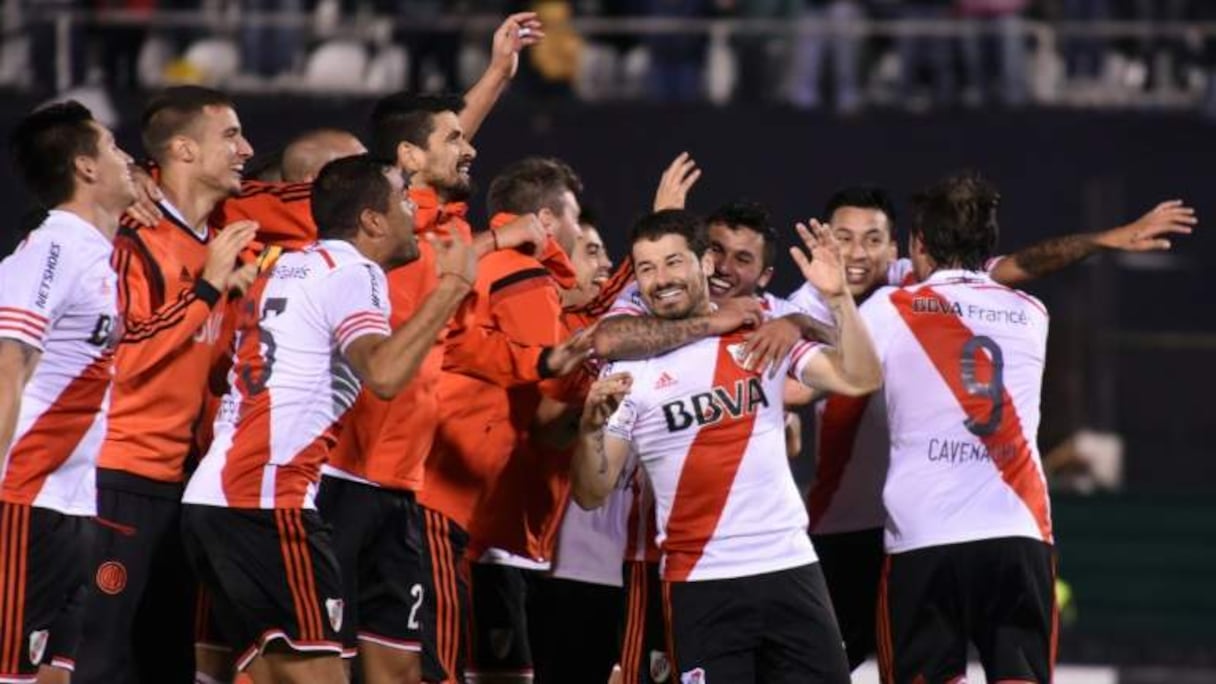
<point x="270" y="49"/>
<point x="438" y="50"/>
<point x="917" y="51"/>
<point x="806" y="64"/>
<point x="759" y="74"/>
<point x="118" y="45"/>
<point x="1084" y="55"/>
<point x="552" y="66"/>
<point x="677" y="61"/>
<point x="997" y="28"/>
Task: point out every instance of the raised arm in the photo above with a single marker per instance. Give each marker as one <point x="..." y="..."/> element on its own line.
<point x="386" y="364"/>
<point x="851" y="367"/>
<point x="599" y="457"/>
<point x="1148" y="233"/>
<point x="516" y="32"/>
<point x="17" y="363"/>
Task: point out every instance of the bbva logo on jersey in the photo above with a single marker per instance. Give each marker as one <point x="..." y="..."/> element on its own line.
<point x="707" y="408"/>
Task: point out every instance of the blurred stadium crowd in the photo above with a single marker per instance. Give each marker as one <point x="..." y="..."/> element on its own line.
<point x="846" y="55"/>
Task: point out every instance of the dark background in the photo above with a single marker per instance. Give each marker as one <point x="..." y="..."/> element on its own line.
<point x="1132" y="341"/>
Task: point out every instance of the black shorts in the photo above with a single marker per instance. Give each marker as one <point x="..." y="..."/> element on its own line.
<point x="271" y="576"/>
<point x="43" y="584"/>
<point x="138" y="616"/>
<point x="445" y="604"/>
<point x="998" y="594"/>
<point x="500" y="621"/>
<point x="775" y="628"/>
<point x="573" y="629"/>
<point x="378" y="542"/>
<point x="852" y="567"/>
<point x="644" y="658"/>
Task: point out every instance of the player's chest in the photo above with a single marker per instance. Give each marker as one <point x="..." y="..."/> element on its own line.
<point x="91" y="322"/>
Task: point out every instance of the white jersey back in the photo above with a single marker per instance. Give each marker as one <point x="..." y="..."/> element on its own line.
<point x="290" y="383"/>
<point x="713" y="446"/>
<point x="58" y="294"/>
<point x="963" y="365"/>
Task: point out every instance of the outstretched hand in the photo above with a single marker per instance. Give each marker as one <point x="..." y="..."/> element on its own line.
<point x="1149" y="232"/>
<point x="824" y="268"/>
<point x="677" y="179"/>
<point x="516" y="32"/>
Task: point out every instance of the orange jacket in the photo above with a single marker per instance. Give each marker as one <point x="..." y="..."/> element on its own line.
<point x="172" y="323"/>
<point x="489" y="392"/>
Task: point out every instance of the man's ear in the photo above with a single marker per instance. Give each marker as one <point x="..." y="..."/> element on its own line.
<point x="86" y="167"/>
<point x="707" y="263"/>
<point x="765" y="276"/>
<point x="182" y="149"/>
<point x="372" y="224"/>
<point x="410" y="157"/>
<point x="547" y="219"/>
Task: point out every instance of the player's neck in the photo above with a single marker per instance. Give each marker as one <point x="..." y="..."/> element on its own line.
<point x="418" y="184"/>
<point x="95" y="214"/>
<point x="192" y="199"/>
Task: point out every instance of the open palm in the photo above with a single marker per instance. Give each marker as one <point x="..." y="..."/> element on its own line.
<point x="824" y="268"/>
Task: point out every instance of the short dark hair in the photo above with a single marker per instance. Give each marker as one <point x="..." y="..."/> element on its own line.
<point x="672" y="222"/>
<point x="862" y="197"/>
<point x="171" y="111"/>
<point x="955" y="219"/>
<point x="45" y="145"/>
<point x="753" y="216"/>
<point x="343" y="189"/>
<point x="532" y="184"/>
<point x="407" y="117"/>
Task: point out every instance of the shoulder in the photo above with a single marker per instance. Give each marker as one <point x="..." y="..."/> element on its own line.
<point x="508" y="271"/>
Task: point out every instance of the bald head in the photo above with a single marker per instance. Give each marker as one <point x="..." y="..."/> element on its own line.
<point x="304" y="156"/>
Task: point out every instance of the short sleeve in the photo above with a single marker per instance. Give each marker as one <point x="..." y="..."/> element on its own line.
<point x="354" y="302"/>
<point x="35" y="284"/>
<point x="629" y="303"/>
<point x="901" y="273"/>
<point x="801" y="355"/>
<point x="807" y="300"/>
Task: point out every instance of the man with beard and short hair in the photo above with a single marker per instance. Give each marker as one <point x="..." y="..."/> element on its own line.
<point x="746" y="601"/>
<point x="314" y="325"/>
<point x="851" y="440"/>
<point x="58" y="326"/>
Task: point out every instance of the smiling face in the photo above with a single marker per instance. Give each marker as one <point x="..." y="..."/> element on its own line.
<point x="221" y="148"/>
<point x="592" y="267"/>
<point x="445" y="163"/>
<point x="866" y="246"/>
<point x="738" y="257"/>
<point x="671" y="278"/>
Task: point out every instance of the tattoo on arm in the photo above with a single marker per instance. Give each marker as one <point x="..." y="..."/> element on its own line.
<point x="601" y="452"/>
<point x="640" y="337"/>
<point x="1054" y="254"/>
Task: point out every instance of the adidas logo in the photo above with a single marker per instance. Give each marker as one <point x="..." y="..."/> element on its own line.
<point x="186" y="276"/>
<point x="665" y="380"/>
